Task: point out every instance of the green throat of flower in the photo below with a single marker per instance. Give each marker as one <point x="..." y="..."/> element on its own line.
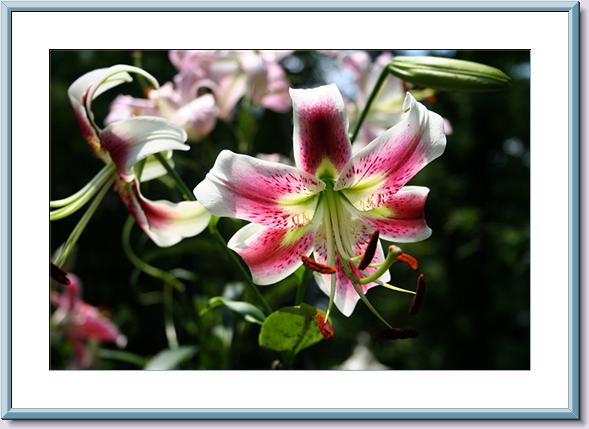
<point x="338" y="220"/>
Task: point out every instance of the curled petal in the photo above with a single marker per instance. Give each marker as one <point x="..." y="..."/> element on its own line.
<point x="401" y="217"/>
<point x="272" y="254"/>
<point x="345" y="295"/>
<point x="92" y="84"/>
<point x="321" y="144"/>
<point x="260" y="191"/>
<point x="166" y="223"/>
<point x="129" y="141"/>
<point x="378" y="171"/>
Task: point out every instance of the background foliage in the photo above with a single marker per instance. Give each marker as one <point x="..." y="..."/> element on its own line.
<point x="476" y="312"/>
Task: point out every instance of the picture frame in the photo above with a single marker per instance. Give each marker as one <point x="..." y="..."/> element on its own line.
<point x="17" y="406"/>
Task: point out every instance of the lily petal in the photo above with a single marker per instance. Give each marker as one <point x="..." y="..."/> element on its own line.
<point x="377" y="172"/>
<point x="401" y="219"/>
<point x="154" y="169"/>
<point x="198" y="117"/>
<point x="345" y="295"/>
<point x="321" y="144"/>
<point x="262" y="192"/>
<point x="272" y="254"/>
<point x="134" y="139"/>
<point x="166" y="223"/>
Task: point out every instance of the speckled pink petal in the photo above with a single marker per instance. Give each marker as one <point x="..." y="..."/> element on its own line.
<point x="401" y="218"/>
<point x="134" y="139"/>
<point x="166" y="223"/>
<point x="263" y="192"/>
<point x="320" y="130"/>
<point x="378" y="171"/>
<point x="272" y="254"/>
<point x="345" y="295"/>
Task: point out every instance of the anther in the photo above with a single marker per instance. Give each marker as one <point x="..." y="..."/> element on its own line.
<point x="316" y="266"/>
<point x="324" y="326"/>
<point x="419" y="294"/>
<point x="58" y="274"/>
<point x="395" y="334"/>
<point x="370" y="251"/>
<point x="409" y="260"/>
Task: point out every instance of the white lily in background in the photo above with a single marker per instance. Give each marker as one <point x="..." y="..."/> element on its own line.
<point x="123" y="144"/>
<point x="332" y="204"/>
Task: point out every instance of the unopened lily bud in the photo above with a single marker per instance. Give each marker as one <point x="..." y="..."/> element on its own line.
<point x="448" y="74"/>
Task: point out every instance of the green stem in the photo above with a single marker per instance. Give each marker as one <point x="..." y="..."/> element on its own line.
<point x="301" y="288"/>
<point x="179" y="182"/>
<point x="99" y="178"/>
<point x="141" y="265"/>
<point x="381" y="78"/>
<point x="71" y="241"/>
<point x="90" y="190"/>
<point x="246" y="275"/>
<point x="169" y="316"/>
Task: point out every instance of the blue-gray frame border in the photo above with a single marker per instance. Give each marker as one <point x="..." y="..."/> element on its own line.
<point x="571" y="413"/>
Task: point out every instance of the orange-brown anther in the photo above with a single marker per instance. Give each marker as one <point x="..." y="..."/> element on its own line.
<point x="370" y="251"/>
<point x="316" y="266"/>
<point x="419" y="294"/>
<point x="148" y="91"/>
<point x="405" y="86"/>
<point x="58" y="274"/>
<point x="409" y="260"/>
<point x="324" y="326"/>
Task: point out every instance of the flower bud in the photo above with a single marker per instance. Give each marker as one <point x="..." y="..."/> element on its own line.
<point x="448" y="74"/>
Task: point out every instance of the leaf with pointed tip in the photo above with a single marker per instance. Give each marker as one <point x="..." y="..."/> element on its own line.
<point x="290" y="329"/>
<point x="250" y="312"/>
<point x="170" y="358"/>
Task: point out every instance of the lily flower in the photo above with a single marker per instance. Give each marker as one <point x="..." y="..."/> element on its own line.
<point x="122" y="145"/>
<point x="82" y="322"/>
<point x="208" y="86"/>
<point x="332" y="204"/>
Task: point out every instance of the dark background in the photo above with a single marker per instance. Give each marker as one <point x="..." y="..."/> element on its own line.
<point x="476" y="311"/>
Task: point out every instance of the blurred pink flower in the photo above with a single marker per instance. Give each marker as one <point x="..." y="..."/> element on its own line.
<point x="209" y="84"/>
<point x="82" y="322"/>
<point x="387" y="106"/>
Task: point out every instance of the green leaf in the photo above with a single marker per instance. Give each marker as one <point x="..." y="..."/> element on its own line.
<point x="122" y="356"/>
<point x="170" y="358"/>
<point x="290" y="329"/>
<point x="250" y="312"/>
<point x="448" y="74"/>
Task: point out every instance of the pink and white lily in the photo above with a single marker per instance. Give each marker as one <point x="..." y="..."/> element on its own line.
<point x="123" y="144"/>
<point x="82" y="322"/>
<point x="332" y="202"/>
<point x="208" y="86"/>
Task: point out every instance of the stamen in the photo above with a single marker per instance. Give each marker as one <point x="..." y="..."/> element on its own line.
<point x="419" y="294"/>
<point x="324" y="326"/>
<point x="58" y="274"/>
<point x="370" y="251"/>
<point x="409" y="260"/>
<point x="395" y="334"/>
<point x="316" y="266"/>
